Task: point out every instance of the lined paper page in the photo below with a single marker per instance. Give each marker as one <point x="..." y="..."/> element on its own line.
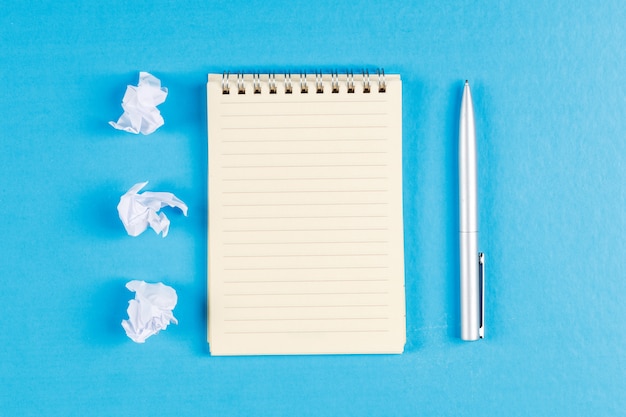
<point x="305" y="219"/>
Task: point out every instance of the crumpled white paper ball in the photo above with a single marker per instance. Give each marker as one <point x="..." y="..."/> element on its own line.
<point x="150" y="311"/>
<point x="139" y="103"/>
<point x="138" y="211"/>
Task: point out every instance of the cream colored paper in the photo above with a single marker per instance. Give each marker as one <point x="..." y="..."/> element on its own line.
<point x="306" y="252"/>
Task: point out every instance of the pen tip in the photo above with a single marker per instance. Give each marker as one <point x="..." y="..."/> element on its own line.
<point x="466" y="82"/>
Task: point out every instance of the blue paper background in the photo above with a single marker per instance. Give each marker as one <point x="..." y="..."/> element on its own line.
<point x="550" y="98"/>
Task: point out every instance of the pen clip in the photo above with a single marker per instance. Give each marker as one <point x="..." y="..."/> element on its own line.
<point x="481" y="283"/>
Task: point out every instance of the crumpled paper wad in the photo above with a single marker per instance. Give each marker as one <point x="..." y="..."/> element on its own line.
<point x="139" y="103"/>
<point x="137" y="211"/>
<point x="150" y="311"/>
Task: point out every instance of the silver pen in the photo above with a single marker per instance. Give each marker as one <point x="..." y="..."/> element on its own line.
<point x="472" y="262"/>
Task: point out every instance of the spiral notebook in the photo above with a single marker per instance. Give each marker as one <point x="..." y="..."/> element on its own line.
<point x="305" y="229"/>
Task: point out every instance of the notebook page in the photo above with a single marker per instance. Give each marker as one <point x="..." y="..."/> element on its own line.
<point x="306" y="252"/>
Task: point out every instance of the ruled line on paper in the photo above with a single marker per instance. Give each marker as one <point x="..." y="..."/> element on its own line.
<point x="369" y="229"/>
<point x="307" y="306"/>
<point x="304" y="191"/>
<point x="301" y="217"/>
<point x="307" y="319"/>
<point x="306" y="268"/>
<point x="303" y="140"/>
<point x="306" y="204"/>
<point x="301" y="114"/>
<point x="297" y="281"/>
<point x="307" y="255"/>
<point x="304" y="293"/>
<point x="306" y="179"/>
<point x="306" y="166"/>
<point x="241" y="100"/>
<point x="303" y="153"/>
<point x="257" y="128"/>
<point x="308" y="331"/>
<point x="308" y="242"/>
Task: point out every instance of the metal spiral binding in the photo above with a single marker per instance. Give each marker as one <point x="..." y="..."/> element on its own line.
<point x="304" y="88"/>
<point x="241" y="88"/>
<point x="319" y="85"/>
<point x="256" y="83"/>
<point x="288" y="87"/>
<point x="336" y="82"/>
<point x="225" y="86"/>
<point x="272" y="83"/>
<point x="366" y="81"/>
<point x="350" y="82"/>
<point x="382" y="84"/>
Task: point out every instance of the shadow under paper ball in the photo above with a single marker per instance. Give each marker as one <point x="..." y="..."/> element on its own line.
<point x="109" y="306"/>
<point x="99" y="213"/>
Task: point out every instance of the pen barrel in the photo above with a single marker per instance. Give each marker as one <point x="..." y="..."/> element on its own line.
<point x="467" y="166"/>
<point x="470" y="286"/>
<point x="468" y="222"/>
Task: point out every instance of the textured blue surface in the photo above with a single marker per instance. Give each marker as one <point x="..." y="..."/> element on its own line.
<point x="550" y="98"/>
